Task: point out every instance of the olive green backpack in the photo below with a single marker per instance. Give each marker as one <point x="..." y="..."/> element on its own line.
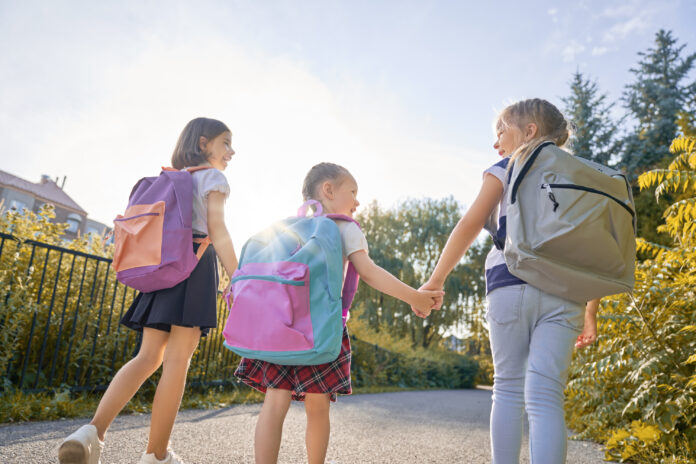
<point x="571" y="226"/>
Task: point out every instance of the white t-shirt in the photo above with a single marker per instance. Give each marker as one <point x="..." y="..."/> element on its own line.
<point x="497" y="272"/>
<point x="352" y="238"/>
<point x="204" y="182"/>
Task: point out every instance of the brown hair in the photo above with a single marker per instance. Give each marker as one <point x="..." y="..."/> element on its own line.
<point x="319" y="173"/>
<point x="188" y="152"/>
<point x="550" y="123"/>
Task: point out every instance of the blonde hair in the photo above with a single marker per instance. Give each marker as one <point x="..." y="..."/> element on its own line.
<point x="319" y="173"/>
<point x="550" y="123"/>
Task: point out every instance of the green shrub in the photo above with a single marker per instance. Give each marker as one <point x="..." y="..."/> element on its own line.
<point x="60" y="307"/>
<point x="382" y="359"/>
<point x="636" y="388"/>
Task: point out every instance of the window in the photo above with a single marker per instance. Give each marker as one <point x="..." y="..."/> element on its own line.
<point x="74" y="221"/>
<point x="18" y="206"/>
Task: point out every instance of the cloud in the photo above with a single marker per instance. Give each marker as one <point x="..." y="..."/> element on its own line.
<point x="626" y="10"/>
<point x="599" y="51"/>
<point x="633" y="17"/>
<point x="623" y="29"/>
<point x="553" y="13"/>
<point x="284" y="119"/>
<point x="570" y="51"/>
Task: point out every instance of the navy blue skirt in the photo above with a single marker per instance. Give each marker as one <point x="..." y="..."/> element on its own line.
<point x="191" y="303"/>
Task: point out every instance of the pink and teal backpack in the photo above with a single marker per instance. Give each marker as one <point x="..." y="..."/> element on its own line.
<point x="288" y="302"/>
<point x="153" y="239"/>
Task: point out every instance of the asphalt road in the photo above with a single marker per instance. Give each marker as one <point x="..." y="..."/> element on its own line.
<point x="407" y="427"/>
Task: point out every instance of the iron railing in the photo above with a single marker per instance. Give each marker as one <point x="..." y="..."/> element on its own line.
<point x="59" y="322"/>
<point x="59" y="329"/>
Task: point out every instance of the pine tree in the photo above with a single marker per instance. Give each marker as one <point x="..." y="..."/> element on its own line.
<point x="654" y="101"/>
<point x="594" y="135"/>
<point x="658" y="102"/>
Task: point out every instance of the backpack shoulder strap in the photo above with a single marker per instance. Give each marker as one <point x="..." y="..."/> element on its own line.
<point x="350" y="284"/>
<point x="198" y="168"/>
<point x="189" y="170"/>
<point x="523" y="172"/>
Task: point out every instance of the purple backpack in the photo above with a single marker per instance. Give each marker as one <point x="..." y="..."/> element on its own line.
<point x="153" y="239"/>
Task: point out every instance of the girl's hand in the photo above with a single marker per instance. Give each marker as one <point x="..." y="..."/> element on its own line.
<point x="589" y="332"/>
<point x="587" y="337"/>
<point x="430" y="285"/>
<point x="426" y="301"/>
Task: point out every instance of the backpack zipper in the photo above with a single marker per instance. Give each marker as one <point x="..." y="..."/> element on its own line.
<point x="136" y="216"/>
<point x="270" y="278"/>
<point x="552" y="197"/>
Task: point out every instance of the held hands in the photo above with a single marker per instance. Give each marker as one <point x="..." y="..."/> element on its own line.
<point x="426" y="301"/>
<point x="435" y="292"/>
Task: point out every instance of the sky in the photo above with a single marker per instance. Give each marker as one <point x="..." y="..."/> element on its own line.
<point x="402" y="93"/>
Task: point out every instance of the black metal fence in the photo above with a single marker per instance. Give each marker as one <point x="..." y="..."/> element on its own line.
<point x="59" y="330"/>
<point x="59" y="322"/>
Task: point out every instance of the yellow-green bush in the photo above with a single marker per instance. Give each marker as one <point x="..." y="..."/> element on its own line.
<point x="636" y="388"/>
<point x="381" y="359"/>
<point x="65" y="305"/>
<point x="69" y="297"/>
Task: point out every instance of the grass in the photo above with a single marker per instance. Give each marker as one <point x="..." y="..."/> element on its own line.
<point x="22" y="407"/>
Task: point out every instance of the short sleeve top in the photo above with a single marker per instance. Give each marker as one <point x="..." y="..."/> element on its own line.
<point x="352" y="238"/>
<point x="204" y="182"/>
<point x="497" y="273"/>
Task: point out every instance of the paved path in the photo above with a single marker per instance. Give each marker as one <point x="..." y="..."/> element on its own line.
<point x="406" y="427"/>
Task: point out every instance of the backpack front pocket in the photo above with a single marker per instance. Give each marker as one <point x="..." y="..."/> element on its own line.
<point x="138" y="237"/>
<point x="270" y="309"/>
<point x="572" y="215"/>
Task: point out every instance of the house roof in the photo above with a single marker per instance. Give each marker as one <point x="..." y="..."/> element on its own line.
<point x="48" y="191"/>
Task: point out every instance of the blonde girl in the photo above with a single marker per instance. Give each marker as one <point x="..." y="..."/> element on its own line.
<point x="336" y="189"/>
<point x="532" y="333"/>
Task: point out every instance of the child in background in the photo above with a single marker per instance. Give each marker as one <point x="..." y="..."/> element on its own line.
<point x="172" y="320"/>
<point x="336" y="189"/>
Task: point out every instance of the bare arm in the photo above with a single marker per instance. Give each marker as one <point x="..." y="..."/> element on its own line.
<point x="589" y="331"/>
<point x="466" y="230"/>
<point x="379" y="279"/>
<point x="222" y="242"/>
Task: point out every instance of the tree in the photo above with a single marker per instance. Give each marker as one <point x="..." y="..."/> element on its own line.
<point x="654" y="101"/>
<point x="686" y="118"/>
<point x="658" y="102"/>
<point x="594" y="135"/>
<point x="407" y="241"/>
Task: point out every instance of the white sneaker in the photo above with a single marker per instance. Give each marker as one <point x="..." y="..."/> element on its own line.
<point x="82" y="447"/>
<point x="170" y="458"/>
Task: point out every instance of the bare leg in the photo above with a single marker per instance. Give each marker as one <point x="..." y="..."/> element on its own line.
<point x="170" y="389"/>
<point x="318" y="426"/>
<point x="269" y="426"/>
<point x="129" y="378"/>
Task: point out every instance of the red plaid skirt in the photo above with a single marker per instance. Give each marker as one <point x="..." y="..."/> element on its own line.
<point x="333" y="377"/>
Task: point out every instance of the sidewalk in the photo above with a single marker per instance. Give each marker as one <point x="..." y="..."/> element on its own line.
<point x="407" y="427"/>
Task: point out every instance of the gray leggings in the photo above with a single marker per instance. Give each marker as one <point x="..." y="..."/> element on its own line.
<point x="532" y="336"/>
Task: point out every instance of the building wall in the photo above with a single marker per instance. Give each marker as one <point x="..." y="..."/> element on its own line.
<point x="75" y="221"/>
<point x="13" y="198"/>
<point x="96" y="227"/>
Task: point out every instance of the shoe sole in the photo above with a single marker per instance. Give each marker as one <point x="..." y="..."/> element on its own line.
<point x="72" y="452"/>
